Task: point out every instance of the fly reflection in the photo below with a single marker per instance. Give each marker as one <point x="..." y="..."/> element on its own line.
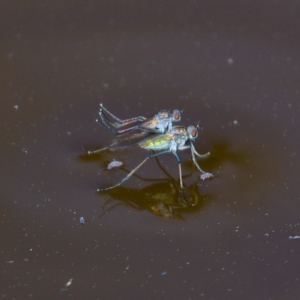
<point x="161" y="199"/>
<point x="164" y="199"/>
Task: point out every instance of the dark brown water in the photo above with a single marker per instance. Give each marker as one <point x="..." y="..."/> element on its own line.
<point x="232" y="66"/>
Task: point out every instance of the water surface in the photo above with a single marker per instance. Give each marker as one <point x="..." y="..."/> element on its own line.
<point x="233" y="68"/>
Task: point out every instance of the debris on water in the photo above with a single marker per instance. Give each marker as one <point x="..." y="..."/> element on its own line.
<point x="16" y="107"/>
<point x="24" y="150"/>
<point x="69" y="282"/>
<point x="230" y="61"/>
<point x="114" y="164"/>
<point x="206" y="176"/>
<point x="164" y="273"/>
<point x="292" y="237"/>
<point x="235" y="122"/>
<point x="81" y="220"/>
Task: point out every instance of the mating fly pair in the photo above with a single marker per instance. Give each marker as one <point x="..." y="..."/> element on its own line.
<point x="156" y="133"/>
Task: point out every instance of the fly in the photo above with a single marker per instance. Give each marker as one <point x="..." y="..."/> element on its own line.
<point x="159" y="123"/>
<point x="175" y="139"/>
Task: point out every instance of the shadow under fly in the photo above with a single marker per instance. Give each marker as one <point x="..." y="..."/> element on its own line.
<point x="163" y="199"/>
<point x="175" y="139"/>
<point x="159" y="123"/>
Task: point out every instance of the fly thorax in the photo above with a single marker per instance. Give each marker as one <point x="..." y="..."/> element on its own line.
<point x="161" y="127"/>
<point x="164" y="115"/>
<point x="181" y="142"/>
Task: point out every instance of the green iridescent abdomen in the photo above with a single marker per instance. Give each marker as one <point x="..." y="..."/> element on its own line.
<point x="158" y="143"/>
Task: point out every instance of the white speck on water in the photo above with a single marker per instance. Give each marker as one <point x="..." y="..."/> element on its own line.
<point x="69" y="282"/>
<point x="230" y="61"/>
<point x="235" y="122"/>
<point x="24" y="150"/>
<point x="206" y="176"/>
<point x="16" y="107"/>
<point x="164" y="273"/>
<point x="294" y="237"/>
<point x="81" y="220"/>
<point x="114" y="164"/>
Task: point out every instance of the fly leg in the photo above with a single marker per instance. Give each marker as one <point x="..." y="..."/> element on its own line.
<point x="105" y="122"/>
<point x="204" y="175"/>
<point x="134" y="170"/>
<point x="201" y="155"/>
<point x="97" y="151"/>
<point x="193" y="151"/>
<point x="120" y="123"/>
<point x="108" y="124"/>
<point x="180" y="174"/>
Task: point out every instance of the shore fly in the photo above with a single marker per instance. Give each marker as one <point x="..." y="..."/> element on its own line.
<point x="175" y="139"/>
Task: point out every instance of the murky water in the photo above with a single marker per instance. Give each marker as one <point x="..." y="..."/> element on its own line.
<point x="234" y="68"/>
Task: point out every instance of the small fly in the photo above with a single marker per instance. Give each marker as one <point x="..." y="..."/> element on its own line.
<point x="175" y="139"/>
<point x="159" y="123"/>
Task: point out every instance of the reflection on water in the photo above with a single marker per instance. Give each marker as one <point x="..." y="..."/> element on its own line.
<point x="164" y="199"/>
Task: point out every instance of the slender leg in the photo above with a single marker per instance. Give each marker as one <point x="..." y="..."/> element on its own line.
<point x="108" y="123"/>
<point x="179" y="166"/>
<point x="105" y="121"/>
<point x="163" y="169"/>
<point x="180" y="178"/>
<point x="194" y="159"/>
<point x="201" y="155"/>
<point x="133" y="171"/>
<point x="97" y="151"/>
<point x="123" y="122"/>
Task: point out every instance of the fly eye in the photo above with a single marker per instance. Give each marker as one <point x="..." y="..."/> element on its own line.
<point x="194" y="132"/>
<point x="176" y="115"/>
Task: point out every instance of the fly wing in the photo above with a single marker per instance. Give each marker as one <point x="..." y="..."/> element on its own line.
<point x="129" y="140"/>
<point x="154" y="125"/>
<point x="149" y="125"/>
